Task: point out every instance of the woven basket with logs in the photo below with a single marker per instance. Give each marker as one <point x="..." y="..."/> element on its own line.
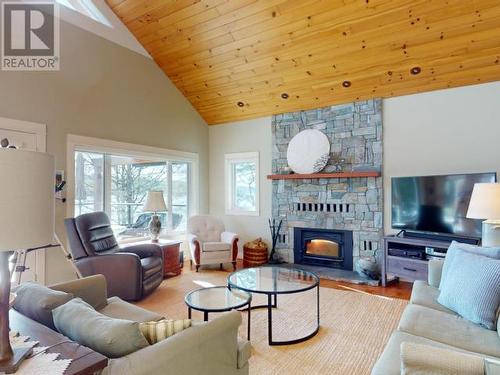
<point x="255" y="253"/>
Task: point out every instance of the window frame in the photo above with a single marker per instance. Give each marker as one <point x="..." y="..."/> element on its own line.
<point x="89" y="144"/>
<point x="229" y="160"/>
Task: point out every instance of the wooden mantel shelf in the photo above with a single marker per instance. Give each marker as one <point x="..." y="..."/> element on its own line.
<point x="296" y="176"/>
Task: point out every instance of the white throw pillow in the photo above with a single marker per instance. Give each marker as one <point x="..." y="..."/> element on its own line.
<point x="418" y="359"/>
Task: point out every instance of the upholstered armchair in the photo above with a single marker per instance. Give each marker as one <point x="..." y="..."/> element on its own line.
<point x="209" y="243"/>
<point x="131" y="273"/>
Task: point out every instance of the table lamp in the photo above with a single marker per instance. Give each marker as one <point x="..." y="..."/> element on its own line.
<point x="485" y="204"/>
<point x="26" y="221"/>
<point x="155" y="203"/>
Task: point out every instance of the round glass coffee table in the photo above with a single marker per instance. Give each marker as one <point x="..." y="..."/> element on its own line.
<point x="274" y="280"/>
<point x="218" y="299"/>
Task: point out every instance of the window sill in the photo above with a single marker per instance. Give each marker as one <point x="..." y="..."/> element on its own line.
<point x="165" y="236"/>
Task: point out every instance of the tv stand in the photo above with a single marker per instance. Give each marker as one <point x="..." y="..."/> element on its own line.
<point x="407" y="257"/>
<point x="438" y="237"/>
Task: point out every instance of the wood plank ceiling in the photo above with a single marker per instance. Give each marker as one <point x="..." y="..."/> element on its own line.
<point x="239" y="59"/>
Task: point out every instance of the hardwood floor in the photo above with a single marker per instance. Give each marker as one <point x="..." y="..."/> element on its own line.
<point x="401" y="289"/>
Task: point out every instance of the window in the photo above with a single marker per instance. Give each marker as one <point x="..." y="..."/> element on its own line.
<point x="118" y="183"/>
<point x="242" y="183"/>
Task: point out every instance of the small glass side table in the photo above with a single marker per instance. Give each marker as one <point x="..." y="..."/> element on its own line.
<point x="218" y="299"/>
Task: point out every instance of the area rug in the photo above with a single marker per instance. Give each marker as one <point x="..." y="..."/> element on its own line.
<point x="354" y="328"/>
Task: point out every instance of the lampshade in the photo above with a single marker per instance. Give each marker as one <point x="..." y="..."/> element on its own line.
<point x="155" y="202"/>
<point x="485" y="201"/>
<point x="26" y="199"/>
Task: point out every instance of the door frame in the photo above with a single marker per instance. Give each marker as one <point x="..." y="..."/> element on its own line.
<point x="40" y="132"/>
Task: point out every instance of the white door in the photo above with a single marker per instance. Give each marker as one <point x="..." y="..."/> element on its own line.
<point x="28" y="136"/>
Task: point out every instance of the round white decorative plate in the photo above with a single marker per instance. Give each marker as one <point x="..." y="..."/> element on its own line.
<point x="308" y="152"/>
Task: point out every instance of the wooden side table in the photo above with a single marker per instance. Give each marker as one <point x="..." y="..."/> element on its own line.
<point x="172" y="255"/>
<point x="172" y="258"/>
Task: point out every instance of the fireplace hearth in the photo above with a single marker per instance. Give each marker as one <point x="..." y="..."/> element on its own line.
<point x="323" y="247"/>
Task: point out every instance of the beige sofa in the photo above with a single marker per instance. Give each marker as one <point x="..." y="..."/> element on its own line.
<point x="211" y="348"/>
<point x="426" y="322"/>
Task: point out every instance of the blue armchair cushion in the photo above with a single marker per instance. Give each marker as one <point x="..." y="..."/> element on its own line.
<point x="471" y="288"/>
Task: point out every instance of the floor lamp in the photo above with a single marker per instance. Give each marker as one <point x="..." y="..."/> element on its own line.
<point x="19" y="258"/>
<point x="26" y="221"/>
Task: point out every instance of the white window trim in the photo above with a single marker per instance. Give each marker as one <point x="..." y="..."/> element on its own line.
<point x="229" y="160"/>
<point x="90" y="144"/>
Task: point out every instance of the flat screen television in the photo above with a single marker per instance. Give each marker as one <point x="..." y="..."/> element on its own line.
<point x="436" y="204"/>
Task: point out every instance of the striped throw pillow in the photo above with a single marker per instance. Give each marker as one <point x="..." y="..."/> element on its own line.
<point x="160" y="330"/>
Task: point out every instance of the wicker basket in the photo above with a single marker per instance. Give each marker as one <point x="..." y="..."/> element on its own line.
<point x="255" y="253"/>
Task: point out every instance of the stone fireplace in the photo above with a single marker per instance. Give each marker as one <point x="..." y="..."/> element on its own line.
<point x="336" y="205"/>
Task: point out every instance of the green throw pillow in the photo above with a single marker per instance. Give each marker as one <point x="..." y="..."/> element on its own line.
<point x="113" y="338"/>
<point x="37" y="302"/>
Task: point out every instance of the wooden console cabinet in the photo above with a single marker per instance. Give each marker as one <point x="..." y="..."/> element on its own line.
<point x="405" y="268"/>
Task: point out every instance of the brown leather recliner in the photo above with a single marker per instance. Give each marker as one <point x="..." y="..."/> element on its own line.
<point x="131" y="273"/>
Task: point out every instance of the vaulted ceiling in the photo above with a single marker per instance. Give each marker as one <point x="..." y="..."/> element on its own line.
<point x="239" y="59"/>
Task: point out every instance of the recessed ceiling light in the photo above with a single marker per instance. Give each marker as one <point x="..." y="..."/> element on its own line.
<point x="415" y="70"/>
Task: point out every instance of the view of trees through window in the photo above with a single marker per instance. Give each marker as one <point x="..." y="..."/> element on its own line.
<point x="242" y="183"/>
<point x="119" y="186"/>
<point x="244" y="186"/>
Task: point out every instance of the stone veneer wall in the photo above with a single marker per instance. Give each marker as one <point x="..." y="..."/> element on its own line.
<point x="354" y="130"/>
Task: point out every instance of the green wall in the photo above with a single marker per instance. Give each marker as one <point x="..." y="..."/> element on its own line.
<point x="107" y="91"/>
